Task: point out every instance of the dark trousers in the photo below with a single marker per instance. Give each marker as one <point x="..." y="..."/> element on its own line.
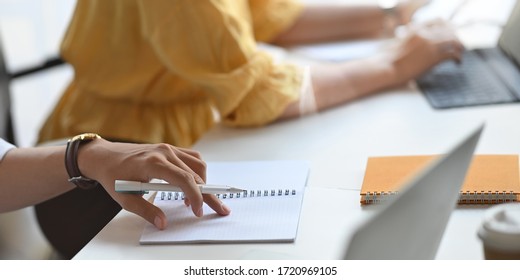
<point x="71" y="220"/>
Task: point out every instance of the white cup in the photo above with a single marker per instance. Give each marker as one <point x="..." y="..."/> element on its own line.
<point x="500" y="232"/>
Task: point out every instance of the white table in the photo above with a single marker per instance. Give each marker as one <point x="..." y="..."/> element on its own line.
<point x="337" y="143"/>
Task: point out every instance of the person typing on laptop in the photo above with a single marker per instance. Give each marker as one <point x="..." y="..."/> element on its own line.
<point x="485" y="76"/>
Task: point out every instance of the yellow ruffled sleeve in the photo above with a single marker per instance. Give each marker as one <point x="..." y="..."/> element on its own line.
<point x="271" y="17"/>
<point x="211" y="45"/>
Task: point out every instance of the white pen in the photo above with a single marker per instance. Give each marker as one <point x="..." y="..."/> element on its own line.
<point x="141" y="188"/>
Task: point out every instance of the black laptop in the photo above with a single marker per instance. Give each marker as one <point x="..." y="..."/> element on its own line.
<point x="485" y="76"/>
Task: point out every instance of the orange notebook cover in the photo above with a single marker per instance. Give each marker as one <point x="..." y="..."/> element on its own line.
<point x="490" y="179"/>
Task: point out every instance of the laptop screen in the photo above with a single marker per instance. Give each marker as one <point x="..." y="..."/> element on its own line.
<point x="509" y="41"/>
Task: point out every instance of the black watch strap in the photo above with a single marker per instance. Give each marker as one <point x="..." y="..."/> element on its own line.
<point x="71" y="161"/>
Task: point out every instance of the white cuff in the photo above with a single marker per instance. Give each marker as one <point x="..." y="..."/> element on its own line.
<point x="4" y="148"/>
<point x="307" y="100"/>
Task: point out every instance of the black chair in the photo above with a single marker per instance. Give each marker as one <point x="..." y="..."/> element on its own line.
<point x="6" y="120"/>
<point x="6" y="123"/>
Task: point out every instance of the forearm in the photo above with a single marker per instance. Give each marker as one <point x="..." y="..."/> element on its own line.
<point x="333" y="22"/>
<point x="32" y="175"/>
<point x="424" y="47"/>
<point x="334" y="85"/>
<point x="338" y="84"/>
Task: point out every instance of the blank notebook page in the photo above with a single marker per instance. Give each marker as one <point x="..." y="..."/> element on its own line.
<point x="270" y="216"/>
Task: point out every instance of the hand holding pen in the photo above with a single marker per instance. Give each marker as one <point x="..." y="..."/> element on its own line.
<point x="106" y="162"/>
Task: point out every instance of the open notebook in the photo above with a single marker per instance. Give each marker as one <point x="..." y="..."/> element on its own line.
<point x="268" y="212"/>
<point x="490" y="179"/>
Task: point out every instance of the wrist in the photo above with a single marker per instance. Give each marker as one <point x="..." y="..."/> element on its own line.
<point x="75" y="160"/>
<point x="89" y="157"/>
<point x="385" y="71"/>
<point x="391" y="16"/>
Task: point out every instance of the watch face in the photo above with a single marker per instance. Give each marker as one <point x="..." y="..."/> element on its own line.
<point x="85" y="137"/>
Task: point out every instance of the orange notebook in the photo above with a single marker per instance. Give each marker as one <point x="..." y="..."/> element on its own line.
<point x="490" y="179"/>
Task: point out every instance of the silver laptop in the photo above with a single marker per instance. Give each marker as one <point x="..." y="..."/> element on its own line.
<point x="485" y="76"/>
<point x="411" y="225"/>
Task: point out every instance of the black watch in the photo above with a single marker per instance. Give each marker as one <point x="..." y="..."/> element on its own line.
<point x="71" y="161"/>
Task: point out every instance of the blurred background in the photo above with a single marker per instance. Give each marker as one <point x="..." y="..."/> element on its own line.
<point x="30" y="33"/>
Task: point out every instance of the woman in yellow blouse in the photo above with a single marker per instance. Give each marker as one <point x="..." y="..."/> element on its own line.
<point x="168" y="70"/>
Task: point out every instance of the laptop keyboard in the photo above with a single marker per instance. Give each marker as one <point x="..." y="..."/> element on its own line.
<point x="470" y="83"/>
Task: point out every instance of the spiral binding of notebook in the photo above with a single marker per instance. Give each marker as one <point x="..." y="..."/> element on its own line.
<point x="244" y="194"/>
<point x="490" y="197"/>
<point x="377" y="197"/>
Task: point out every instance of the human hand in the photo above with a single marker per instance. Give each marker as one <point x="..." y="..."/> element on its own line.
<point x="423" y="47"/>
<point x="107" y="161"/>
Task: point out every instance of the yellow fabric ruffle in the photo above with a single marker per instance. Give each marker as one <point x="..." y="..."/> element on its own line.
<point x="155" y="71"/>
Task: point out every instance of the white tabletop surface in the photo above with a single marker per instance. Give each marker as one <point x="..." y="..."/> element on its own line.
<point x="337" y="144"/>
